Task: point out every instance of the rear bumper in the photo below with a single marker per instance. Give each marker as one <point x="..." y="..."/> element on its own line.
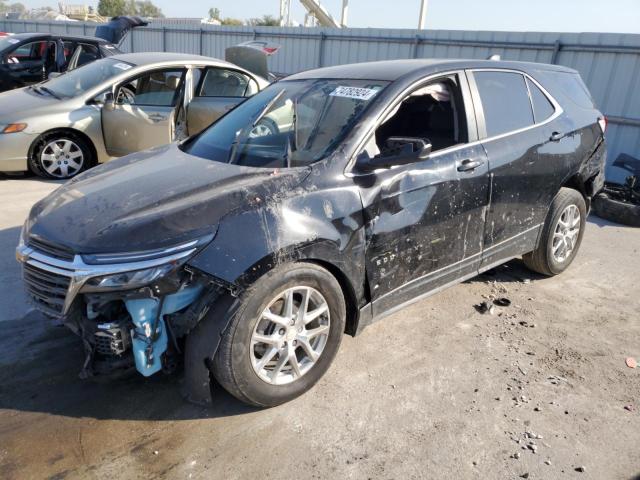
<point x="14" y="148"/>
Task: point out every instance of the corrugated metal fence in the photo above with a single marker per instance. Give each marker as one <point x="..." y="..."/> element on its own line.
<point x="609" y="63"/>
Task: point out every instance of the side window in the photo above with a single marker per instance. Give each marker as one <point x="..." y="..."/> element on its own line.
<point x="88" y="54"/>
<point x="29" y="52"/>
<point x="69" y="48"/>
<point x="542" y="107"/>
<point x="219" y="82"/>
<point x="505" y="101"/>
<point x="159" y="88"/>
<point x="433" y="112"/>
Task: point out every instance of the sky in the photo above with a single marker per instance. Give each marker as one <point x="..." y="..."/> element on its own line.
<point x="519" y="15"/>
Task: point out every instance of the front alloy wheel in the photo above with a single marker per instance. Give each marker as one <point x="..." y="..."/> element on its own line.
<point x="62" y="158"/>
<point x="290" y="336"/>
<point x="282" y="335"/>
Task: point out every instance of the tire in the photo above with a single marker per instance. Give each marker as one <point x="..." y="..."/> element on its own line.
<point x="265" y="127"/>
<point x="236" y="365"/>
<point x="549" y="258"/>
<point x="617" y="211"/>
<point x="51" y="151"/>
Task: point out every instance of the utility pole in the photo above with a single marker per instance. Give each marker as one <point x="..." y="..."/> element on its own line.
<point x="285" y="13"/>
<point x="423" y="14"/>
<point x="345" y="11"/>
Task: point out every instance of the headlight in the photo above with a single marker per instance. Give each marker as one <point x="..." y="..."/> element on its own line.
<point x="14" y="128"/>
<point x="132" y="270"/>
<point x="131" y="257"/>
<point x="127" y="280"/>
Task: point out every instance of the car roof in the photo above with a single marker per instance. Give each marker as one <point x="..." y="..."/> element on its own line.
<point x="32" y="35"/>
<point x="391" y="70"/>
<point x="148" y="58"/>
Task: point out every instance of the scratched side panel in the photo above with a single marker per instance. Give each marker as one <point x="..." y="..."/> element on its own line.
<point x="319" y="220"/>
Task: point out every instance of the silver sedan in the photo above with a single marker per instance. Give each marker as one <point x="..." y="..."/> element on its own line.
<point x="116" y="106"/>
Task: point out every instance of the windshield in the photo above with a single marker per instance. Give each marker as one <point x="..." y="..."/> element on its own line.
<point x="83" y="79"/>
<point x="291" y="123"/>
<point x="6" y="42"/>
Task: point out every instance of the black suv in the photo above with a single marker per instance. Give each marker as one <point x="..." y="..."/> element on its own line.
<point x="27" y="58"/>
<point x="317" y="206"/>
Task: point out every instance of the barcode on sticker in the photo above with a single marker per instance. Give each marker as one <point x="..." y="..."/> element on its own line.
<point x="357" y="93"/>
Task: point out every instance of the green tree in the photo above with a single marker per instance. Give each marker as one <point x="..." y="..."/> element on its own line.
<point x="13" y="7"/>
<point x="231" y="21"/>
<point x="148" y="9"/>
<point x="132" y="8"/>
<point x="112" y="8"/>
<point x="214" y="13"/>
<point x="264" y="21"/>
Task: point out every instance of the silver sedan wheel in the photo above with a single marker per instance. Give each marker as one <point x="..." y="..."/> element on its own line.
<point x="290" y="335"/>
<point x="566" y="233"/>
<point x="62" y="158"/>
<point x="260" y="130"/>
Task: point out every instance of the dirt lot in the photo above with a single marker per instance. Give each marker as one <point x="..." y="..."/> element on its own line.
<point x="435" y="391"/>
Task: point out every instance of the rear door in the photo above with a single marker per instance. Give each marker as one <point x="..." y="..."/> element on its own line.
<point x="83" y="53"/>
<point x="144" y="112"/>
<point x="515" y="141"/>
<point x="217" y="91"/>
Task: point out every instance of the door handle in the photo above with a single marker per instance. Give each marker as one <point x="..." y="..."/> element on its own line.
<point x="156" y="117"/>
<point x="556" y="136"/>
<point x="469" y="164"/>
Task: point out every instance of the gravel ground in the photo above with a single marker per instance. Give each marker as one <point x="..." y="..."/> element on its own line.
<point x="538" y="389"/>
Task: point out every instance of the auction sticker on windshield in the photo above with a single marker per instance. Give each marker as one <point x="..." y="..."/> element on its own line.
<point x="122" y="66"/>
<point x="357" y="93"/>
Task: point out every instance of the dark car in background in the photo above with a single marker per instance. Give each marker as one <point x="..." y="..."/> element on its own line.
<point x="28" y="58"/>
<point x="247" y="257"/>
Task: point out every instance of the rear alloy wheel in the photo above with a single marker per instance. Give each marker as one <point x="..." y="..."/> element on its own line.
<point x="283" y="336"/>
<point x="61" y="156"/>
<point x="561" y="234"/>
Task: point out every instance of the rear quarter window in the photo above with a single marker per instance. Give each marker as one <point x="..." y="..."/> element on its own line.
<point x="572" y="87"/>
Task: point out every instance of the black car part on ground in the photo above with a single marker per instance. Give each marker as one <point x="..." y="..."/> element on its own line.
<point x="118" y="27"/>
<point x="621" y="202"/>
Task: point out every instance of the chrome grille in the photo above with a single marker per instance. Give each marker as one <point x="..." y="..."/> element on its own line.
<point x="46" y="289"/>
<point x="50" y="249"/>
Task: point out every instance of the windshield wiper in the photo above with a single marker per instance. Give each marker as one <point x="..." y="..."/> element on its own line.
<point x="267" y="107"/>
<point x="51" y="92"/>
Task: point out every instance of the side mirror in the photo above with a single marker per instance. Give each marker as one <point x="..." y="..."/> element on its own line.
<point x="54" y="75"/>
<point x="400" y="151"/>
<point x="109" y="101"/>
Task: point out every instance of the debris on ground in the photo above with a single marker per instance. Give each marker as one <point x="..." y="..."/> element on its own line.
<point x="502" y="302"/>
<point x="580" y="469"/>
<point x="485" y="307"/>
<point x="631" y="362"/>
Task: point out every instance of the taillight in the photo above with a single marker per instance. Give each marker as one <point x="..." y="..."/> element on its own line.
<point x="602" y="121"/>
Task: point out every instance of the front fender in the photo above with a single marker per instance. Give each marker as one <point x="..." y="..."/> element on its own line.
<point x="305" y="224"/>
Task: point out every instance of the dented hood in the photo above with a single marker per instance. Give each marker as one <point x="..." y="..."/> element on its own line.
<point x="153" y="199"/>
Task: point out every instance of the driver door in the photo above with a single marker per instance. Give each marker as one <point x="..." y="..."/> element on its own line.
<point x="25" y="64"/>
<point x="144" y="111"/>
<point x="425" y="220"/>
<point x="218" y="90"/>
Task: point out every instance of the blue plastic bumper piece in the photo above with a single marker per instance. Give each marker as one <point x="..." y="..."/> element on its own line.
<point x="148" y="346"/>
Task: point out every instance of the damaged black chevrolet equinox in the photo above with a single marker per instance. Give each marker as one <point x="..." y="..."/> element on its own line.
<point x="326" y="201"/>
